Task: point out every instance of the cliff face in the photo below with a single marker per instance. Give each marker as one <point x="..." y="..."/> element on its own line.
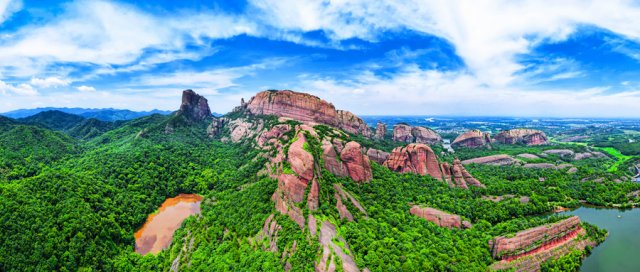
<point x="305" y="108"/>
<point x="531" y="239"/>
<point x="456" y="175"/>
<point x="472" y="139"/>
<point x="524" y="136"/>
<point x="194" y="107"/>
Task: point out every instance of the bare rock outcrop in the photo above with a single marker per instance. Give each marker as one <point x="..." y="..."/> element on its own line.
<point x="440" y="218"/>
<point x="414" y="158"/>
<point x="522" y="136"/>
<point x="194" y="107"/>
<point x="498" y="160"/>
<point x="408" y="134"/>
<point x="356" y="163"/>
<point x="531" y="239"/>
<point x="381" y="131"/>
<point x="423" y="135"/>
<point x="559" y="152"/>
<point x="402" y="133"/>
<point x="215" y="128"/>
<point x="472" y="139"/>
<point x="378" y="156"/>
<point x="331" y="250"/>
<point x="304" y="108"/>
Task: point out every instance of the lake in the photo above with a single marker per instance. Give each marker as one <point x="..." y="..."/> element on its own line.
<point x="620" y="251"/>
<point x="157" y="232"/>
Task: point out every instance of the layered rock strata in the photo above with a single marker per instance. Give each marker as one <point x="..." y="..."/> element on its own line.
<point x="526" y="241"/>
<point x="304" y="108"/>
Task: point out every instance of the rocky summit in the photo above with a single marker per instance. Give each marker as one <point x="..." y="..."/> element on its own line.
<point x="305" y="108"/>
<point x="422" y="135"/>
<point x="522" y="136"/>
<point x="194" y="106"/>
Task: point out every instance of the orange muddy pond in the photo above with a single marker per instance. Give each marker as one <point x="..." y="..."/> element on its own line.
<point x="156" y="234"/>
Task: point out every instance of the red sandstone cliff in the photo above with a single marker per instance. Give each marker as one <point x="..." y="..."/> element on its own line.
<point x="305" y="108"/>
<point x="381" y="131"/>
<point x="524" y="136"/>
<point x="530" y="239"/>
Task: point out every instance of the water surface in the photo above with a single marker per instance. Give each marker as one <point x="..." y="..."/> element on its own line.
<point x="156" y="234"/>
<point x="621" y="250"/>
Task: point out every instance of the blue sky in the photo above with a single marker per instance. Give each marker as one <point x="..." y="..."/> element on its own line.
<point x="489" y="58"/>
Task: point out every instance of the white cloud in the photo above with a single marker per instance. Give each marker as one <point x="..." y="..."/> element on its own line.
<point x="108" y="33"/>
<point x="416" y="91"/>
<point x="8" y="8"/>
<point x="20" y="89"/>
<point x="85" y="88"/>
<point x="49" y="82"/>
<point x="486" y="34"/>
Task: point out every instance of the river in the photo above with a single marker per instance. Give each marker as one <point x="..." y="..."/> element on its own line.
<point x="620" y="250"/>
<point x="156" y="234"/>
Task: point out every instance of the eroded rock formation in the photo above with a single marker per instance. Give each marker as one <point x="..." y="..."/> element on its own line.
<point x="522" y="136"/>
<point x="304" y="108"/>
<point x="414" y="158"/>
<point x="531" y="239"/>
<point x="194" y="107"/>
<point x="458" y="176"/>
<point x="472" y="139"/>
<point x="378" y="156"/>
<point x="356" y="163"/>
<point x="408" y="134"/>
<point x="402" y="133"/>
<point x="381" y="131"/>
<point x="439" y="217"/>
<point x="423" y="135"/>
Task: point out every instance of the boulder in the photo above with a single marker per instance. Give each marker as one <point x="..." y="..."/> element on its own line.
<point x="304" y="108"/>
<point x="528" y="156"/>
<point x="402" y="133"/>
<point x="381" y="131"/>
<point x="472" y="139"/>
<point x="559" y="152"/>
<point x="522" y="136"/>
<point x="378" y="156"/>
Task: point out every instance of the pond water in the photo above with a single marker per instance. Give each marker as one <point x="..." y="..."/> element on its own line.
<point x="620" y="251"/>
<point x="157" y="232"/>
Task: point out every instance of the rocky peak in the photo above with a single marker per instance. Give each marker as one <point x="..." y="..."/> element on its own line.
<point x="305" y="108"/>
<point x="414" y="158"/>
<point x="402" y="133"/>
<point x="408" y="134"/>
<point x="521" y="135"/>
<point x="194" y="106"/>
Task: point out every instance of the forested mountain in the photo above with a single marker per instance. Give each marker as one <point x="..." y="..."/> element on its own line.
<point x="100" y="114"/>
<point x="285" y="189"/>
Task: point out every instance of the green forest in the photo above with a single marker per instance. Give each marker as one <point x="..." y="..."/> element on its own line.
<point x="71" y="202"/>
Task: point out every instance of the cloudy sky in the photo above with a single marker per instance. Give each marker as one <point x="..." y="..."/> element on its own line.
<point x="498" y="58"/>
